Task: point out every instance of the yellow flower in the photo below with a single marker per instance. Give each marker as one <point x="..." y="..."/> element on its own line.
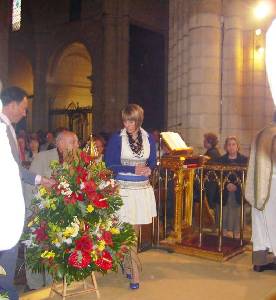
<point x="71" y="231"/>
<point x="68" y="231"/>
<point x="101" y="245"/>
<point x="94" y="255"/>
<point x="53" y="206"/>
<point x="48" y="254"/>
<point x="90" y="208"/>
<point x="42" y="191"/>
<point x="30" y="224"/>
<point x="55" y="241"/>
<point x="114" y="230"/>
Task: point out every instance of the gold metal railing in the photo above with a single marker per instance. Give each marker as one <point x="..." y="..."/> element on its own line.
<point x="220" y="175"/>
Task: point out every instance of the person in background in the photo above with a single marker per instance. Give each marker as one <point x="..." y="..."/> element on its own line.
<point x="131" y="155"/>
<point x="50" y="142"/>
<point x="100" y="145"/>
<point x="22" y="148"/>
<point x="66" y="141"/>
<point x="156" y="136"/>
<point x="33" y="149"/>
<point x="232" y="192"/>
<point x="210" y="143"/>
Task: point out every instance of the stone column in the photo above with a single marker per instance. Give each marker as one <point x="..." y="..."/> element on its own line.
<point x="115" y="74"/>
<point x="178" y="66"/>
<point x="234" y="116"/>
<point x="40" y="105"/>
<point x="204" y="70"/>
<point x="4" y="41"/>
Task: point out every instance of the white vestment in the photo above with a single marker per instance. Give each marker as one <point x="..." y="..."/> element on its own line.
<point x="264" y="222"/>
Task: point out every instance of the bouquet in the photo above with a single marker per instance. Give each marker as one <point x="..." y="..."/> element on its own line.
<point x="74" y="229"/>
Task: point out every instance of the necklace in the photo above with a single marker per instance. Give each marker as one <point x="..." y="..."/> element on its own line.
<point x="136" y="145"/>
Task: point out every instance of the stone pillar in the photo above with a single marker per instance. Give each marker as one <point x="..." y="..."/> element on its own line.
<point x="257" y="102"/>
<point x="4" y="41"/>
<point x="234" y="115"/>
<point x="40" y="105"/>
<point x="204" y="70"/>
<point x="115" y="58"/>
<point x="178" y="66"/>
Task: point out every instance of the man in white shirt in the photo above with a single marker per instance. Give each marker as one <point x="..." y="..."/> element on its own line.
<point x="15" y="104"/>
<point x="12" y="212"/>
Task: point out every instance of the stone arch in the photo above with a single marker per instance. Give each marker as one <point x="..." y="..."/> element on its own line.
<point x="21" y="74"/>
<point x="69" y="86"/>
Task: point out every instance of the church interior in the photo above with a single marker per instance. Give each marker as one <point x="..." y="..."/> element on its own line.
<point x="196" y="67"/>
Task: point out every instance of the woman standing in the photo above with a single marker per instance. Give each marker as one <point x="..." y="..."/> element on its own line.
<point x="131" y="154"/>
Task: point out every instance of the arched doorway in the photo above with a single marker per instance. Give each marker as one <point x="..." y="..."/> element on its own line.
<point x="21" y="74"/>
<point x="69" y="88"/>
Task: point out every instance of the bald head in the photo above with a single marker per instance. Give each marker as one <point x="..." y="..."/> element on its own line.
<point x="67" y="141"/>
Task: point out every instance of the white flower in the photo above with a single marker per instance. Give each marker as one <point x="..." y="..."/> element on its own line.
<point x="103" y="185"/>
<point x="67" y="192"/>
<point x="76" y="220"/>
<point x="68" y="241"/>
<point x="28" y="243"/>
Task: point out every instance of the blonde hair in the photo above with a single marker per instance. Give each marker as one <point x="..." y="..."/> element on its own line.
<point x="133" y="112"/>
<point x="231" y="138"/>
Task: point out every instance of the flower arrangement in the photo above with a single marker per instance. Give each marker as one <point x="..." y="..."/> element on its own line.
<point x="74" y="229"/>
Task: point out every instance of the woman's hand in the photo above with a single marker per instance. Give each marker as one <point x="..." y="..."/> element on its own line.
<point x="142" y="170"/>
<point x="231" y="187"/>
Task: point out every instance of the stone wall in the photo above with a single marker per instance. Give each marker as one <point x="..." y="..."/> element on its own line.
<point x="103" y="29"/>
<point x="216" y="80"/>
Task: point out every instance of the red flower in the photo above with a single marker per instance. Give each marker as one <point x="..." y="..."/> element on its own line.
<point x="99" y="201"/>
<point x="73" y="198"/>
<point x="85" y="157"/>
<point x="90" y="186"/>
<point x="107" y="237"/>
<point x="82" y="174"/>
<point x="41" y="234"/>
<point x="84" y="244"/>
<point x="86" y="226"/>
<point x="104" y="262"/>
<point x="79" y="259"/>
<point x="104" y="175"/>
<point x="79" y="197"/>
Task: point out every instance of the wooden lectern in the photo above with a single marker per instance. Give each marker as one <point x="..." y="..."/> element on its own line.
<point x="182" y="162"/>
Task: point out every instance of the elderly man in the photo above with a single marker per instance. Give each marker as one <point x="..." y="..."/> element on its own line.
<point x="66" y="141"/>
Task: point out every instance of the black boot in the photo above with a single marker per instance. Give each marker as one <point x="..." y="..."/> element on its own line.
<point x="261" y="268"/>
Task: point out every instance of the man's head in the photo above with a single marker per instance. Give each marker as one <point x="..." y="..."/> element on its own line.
<point x="67" y="141"/>
<point x="100" y="144"/>
<point x="50" y="137"/>
<point x="15" y="103"/>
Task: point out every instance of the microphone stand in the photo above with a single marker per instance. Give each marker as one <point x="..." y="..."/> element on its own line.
<point x="157" y="245"/>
